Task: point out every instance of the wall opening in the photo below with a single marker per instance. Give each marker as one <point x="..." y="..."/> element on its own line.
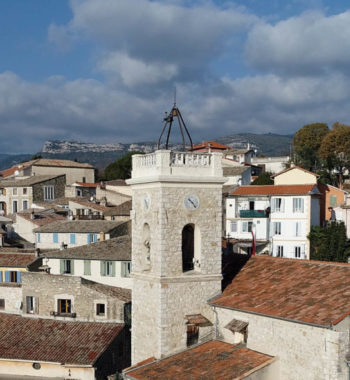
<point x="188" y="247"/>
<point x="146" y="246"/>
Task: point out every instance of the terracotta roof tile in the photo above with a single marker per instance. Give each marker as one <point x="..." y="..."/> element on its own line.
<point x="54" y="341"/>
<point x="41" y="218"/>
<point x="16" y="260"/>
<point x="275" y="190"/>
<point x="314" y="292"/>
<point x="112" y="291"/>
<point x="211" y="144"/>
<point x="294" y="167"/>
<point x="209" y="361"/>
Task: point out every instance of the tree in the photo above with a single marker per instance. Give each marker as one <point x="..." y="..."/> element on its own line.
<point x="36" y="156"/>
<point x="335" y="150"/>
<point x="306" y="144"/>
<point x="329" y="243"/>
<point x="263" y="179"/>
<point x="119" y="169"/>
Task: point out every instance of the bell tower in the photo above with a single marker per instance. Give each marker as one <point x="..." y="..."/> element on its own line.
<point x="176" y="246"/>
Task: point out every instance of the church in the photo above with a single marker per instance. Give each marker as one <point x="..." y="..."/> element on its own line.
<point x="278" y="319"/>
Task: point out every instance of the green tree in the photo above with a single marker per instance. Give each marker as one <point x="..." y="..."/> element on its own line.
<point x="119" y="169"/>
<point x="263" y="179"/>
<point x="329" y="243"/>
<point x="36" y="156"/>
<point x="335" y="150"/>
<point x="306" y="144"/>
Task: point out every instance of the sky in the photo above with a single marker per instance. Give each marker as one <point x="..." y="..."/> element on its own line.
<point x="105" y="71"/>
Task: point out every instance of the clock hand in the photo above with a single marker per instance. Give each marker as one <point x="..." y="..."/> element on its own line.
<point x="192" y="202"/>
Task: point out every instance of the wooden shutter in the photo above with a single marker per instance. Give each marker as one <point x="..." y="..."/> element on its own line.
<point x="113" y="268"/>
<point x="87" y="267"/>
<point x="102" y="268"/>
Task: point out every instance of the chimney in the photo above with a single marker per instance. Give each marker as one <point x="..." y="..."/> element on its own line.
<point x="32" y="216"/>
<point x="63" y="246"/>
<point x="102" y="236"/>
<point x="37" y="252"/>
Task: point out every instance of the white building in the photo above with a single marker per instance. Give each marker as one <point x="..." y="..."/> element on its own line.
<point x="106" y="262"/>
<point x="279" y="216"/>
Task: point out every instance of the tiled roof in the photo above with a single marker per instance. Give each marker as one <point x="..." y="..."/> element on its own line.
<point x="198" y="320"/>
<point x="211" y="144"/>
<point x="292" y="168"/>
<point x="54" y="341"/>
<point x="112" y="291"/>
<point x="116" y="182"/>
<point x="41" y="218"/>
<point x="313" y="292"/>
<point x="276" y="190"/>
<point x="118" y="248"/>
<point x="19" y="260"/>
<point x="32" y="180"/>
<point x="60" y="163"/>
<point x="80" y="226"/>
<point x="209" y="361"/>
<point x="86" y="184"/>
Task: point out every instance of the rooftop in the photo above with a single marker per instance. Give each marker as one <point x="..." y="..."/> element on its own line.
<point x="49" y="340"/>
<point x="111" y="291"/>
<point x="212" y="145"/>
<point x="312" y="292"/>
<point x="32" y="180"/>
<point x="293" y="168"/>
<point x="116" y="182"/>
<point x="18" y="260"/>
<point x="122" y="209"/>
<point x="85" y="184"/>
<point x="80" y="226"/>
<point x="41" y="218"/>
<point x="276" y="190"/>
<point x="118" y="248"/>
<point x="212" y="360"/>
<point x="234" y="170"/>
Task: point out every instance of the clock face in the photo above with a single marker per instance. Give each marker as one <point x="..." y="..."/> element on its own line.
<point x="146" y="201"/>
<point x="191" y="202"/>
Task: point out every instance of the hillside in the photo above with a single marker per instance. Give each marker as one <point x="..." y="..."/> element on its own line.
<point x="100" y="155"/>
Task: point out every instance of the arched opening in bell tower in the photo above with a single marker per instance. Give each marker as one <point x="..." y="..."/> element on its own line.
<point x="188" y="248"/>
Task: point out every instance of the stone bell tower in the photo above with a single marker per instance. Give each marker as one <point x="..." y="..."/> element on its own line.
<point x="176" y="246"/>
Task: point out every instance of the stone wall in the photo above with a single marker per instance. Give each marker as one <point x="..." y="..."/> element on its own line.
<point x="47" y="289"/>
<point x="59" y="184"/>
<point x="11" y="293"/>
<point x="303" y="351"/>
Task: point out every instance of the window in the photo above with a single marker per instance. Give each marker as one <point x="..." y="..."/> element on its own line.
<point x="277" y="205"/>
<point x="12" y="276"/>
<point x="30" y="304"/>
<point x="87" y="267"/>
<point x="279" y="250"/>
<point x="298" y="205"/>
<point x="277" y="228"/>
<point x="86" y="211"/>
<point x="2" y="304"/>
<point x="72" y="238"/>
<point x="14" y="207"/>
<point x="14" y="191"/>
<point x="247" y="226"/>
<point x="297" y="252"/>
<point x="251" y="205"/>
<point x="192" y="335"/>
<point x="49" y="193"/>
<point x="66" y="266"/>
<point x="25" y="191"/>
<point x="25" y="205"/>
<point x="92" y="238"/>
<point x="64" y="306"/>
<point x="38" y="237"/>
<point x="187" y="247"/>
<point x="125" y="268"/>
<point x="108" y="268"/>
<point x="233" y="226"/>
<point x="55" y="237"/>
<point x="84" y="179"/>
<point x="333" y="201"/>
<point x="297" y="228"/>
<point x="100" y="309"/>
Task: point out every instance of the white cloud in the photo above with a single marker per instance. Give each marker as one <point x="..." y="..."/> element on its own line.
<point x="310" y="44"/>
<point x="135" y="72"/>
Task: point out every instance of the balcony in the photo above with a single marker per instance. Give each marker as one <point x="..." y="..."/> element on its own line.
<point x="252" y="214"/>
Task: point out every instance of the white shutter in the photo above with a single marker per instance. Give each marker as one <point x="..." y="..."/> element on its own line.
<point x="282" y="204"/>
<point x="273" y="204"/>
<point x="302" y="204"/>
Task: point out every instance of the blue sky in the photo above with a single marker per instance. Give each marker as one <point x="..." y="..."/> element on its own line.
<point x="105" y="70"/>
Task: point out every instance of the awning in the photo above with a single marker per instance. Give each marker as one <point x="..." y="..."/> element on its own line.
<point x="198" y="320"/>
<point x="236" y="325"/>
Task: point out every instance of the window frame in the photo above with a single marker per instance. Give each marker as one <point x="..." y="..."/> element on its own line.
<point x="67" y="266"/>
<point x="249" y="227"/>
<point x="64" y="304"/>
<point x="297" y="255"/>
<point x="98" y="312"/>
<point x="277" y="228"/>
<point x="49" y="193"/>
<point x="32" y="304"/>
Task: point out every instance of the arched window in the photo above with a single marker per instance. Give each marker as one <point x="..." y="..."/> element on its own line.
<point x="187" y="247"/>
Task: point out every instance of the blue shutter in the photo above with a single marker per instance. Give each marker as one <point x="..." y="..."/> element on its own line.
<point x="55" y="237"/>
<point x="72" y="238"/>
<point x="7" y="276"/>
<point x="38" y="237"/>
<point x="89" y="239"/>
<point x="0" y="276"/>
<point x="19" y="277"/>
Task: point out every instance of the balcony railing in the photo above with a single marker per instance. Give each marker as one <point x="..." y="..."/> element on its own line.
<point x="252" y="214"/>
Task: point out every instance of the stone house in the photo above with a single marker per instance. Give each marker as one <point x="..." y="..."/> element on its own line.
<point x="73" y="298"/>
<point x="26" y="222"/>
<point x="81" y="189"/>
<point x="109" y="195"/>
<point x="118" y="185"/>
<point x="12" y="267"/>
<point x="107" y="262"/>
<point x="74" y="233"/>
<point x="19" y="194"/>
<point x="74" y="171"/>
<point x="46" y="348"/>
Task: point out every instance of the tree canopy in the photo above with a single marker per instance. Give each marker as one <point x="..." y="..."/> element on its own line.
<point x="263" y="179"/>
<point x="329" y="243"/>
<point x="119" y="169"/>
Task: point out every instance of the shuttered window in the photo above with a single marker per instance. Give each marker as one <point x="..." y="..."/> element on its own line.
<point x="125" y="268"/>
<point x="87" y="267"/>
